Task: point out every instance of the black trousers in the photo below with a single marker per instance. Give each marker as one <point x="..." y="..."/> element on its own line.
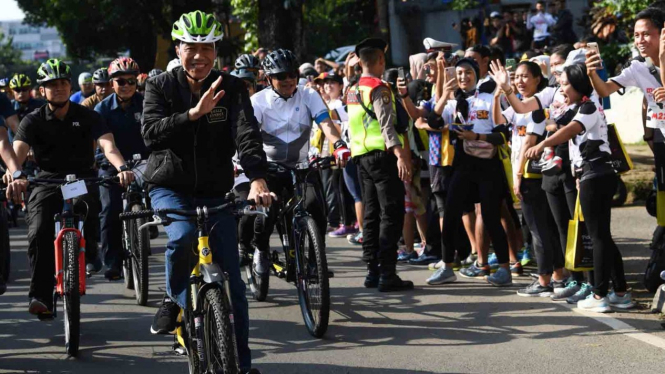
<point x="330" y="196"/>
<point x="486" y="176"/>
<point x="540" y="221"/>
<point x="344" y="199"/>
<point x="282" y="185"/>
<point x="383" y="198"/>
<point x="245" y="223"/>
<point x="44" y="203"/>
<point x="596" y="202"/>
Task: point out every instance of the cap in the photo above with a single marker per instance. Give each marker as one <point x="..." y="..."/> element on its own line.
<point x="495" y="14"/>
<point x="331" y="76"/>
<point x="305" y="66"/>
<point x="375" y="43"/>
<point x="435" y="45"/>
<point x="577" y="56"/>
<point x="320" y="77"/>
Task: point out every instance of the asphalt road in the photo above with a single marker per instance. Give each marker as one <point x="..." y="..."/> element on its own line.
<point x="464" y="327"/>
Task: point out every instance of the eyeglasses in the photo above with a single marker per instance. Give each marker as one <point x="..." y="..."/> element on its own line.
<point x="22" y="89"/>
<point x="285" y="75"/>
<point x="121" y="82"/>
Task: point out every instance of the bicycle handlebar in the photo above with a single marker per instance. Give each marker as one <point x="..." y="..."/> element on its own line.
<point x="193" y="212"/>
<point x="95" y="180"/>
<point x="316" y="163"/>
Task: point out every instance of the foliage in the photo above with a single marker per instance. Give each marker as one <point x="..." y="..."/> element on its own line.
<point x="614" y="56"/>
<point x="247" y="11"/>
<point x="463" y="4"/>
<point x="11" y="63"/>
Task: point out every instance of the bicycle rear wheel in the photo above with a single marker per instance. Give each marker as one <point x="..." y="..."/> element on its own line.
<point x="220" y="342"/>
<point x="139" y="259"/>
<point x="5" y="250"/>
<point x="312" y="282"/>
<point x="127" y="272"/>
<point x="71" y="297"/>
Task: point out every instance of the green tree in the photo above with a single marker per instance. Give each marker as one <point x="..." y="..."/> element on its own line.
<point x="10" y="60"/>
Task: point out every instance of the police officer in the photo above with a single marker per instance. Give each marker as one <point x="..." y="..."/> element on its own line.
<point x="382" y="166"/>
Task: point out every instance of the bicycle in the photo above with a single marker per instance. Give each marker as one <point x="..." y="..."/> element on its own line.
<point x="5" y="249"/>
<point x="70" y="271"/>
<point x="206" y="332"/>
<point x="136" y="243"/>
<point x="303" y="259"/>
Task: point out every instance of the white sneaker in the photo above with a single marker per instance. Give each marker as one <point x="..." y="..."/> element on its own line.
<point x="621" y="302"/>
<point x="436" y="266"/>
<point x="594" y="305"/>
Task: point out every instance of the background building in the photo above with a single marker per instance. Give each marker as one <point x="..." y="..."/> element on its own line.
<point x="35" y="43"/>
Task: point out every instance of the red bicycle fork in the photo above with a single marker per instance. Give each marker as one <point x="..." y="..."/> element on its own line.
<point x="59" y="272"/>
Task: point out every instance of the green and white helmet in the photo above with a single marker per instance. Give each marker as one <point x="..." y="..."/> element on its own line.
<point x="197" y="27"/>
<point x="53" y="69"/>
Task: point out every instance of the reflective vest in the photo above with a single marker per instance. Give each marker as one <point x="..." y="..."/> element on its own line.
<point x="365" y="131"/>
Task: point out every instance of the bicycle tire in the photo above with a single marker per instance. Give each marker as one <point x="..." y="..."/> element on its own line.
<point x="127" y="271"/>
<point x="220" y="342"/>
<point x="311" y="243"/>
<point x="257" y="283"/>
<point x="71" y="297"/>
<point x="5" y="251"/>
<point x="139" y="258"/>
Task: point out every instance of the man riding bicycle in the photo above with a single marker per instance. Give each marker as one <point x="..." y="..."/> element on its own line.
<point x="23" y="103"/>
<point x="102" y="82"/>
<point x="286" y="113"/>
<point x="122" y="111"/>
<point x="194" y="119"/>
<point x="62" y="135"/>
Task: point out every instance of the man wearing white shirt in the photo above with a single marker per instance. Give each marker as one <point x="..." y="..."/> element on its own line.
<point x="540" y="23"/>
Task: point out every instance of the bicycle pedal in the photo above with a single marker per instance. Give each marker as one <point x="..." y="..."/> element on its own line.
<point x="178" y="349"/>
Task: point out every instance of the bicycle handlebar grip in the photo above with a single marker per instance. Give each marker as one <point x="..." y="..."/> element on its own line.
<point x="137" y="214"/>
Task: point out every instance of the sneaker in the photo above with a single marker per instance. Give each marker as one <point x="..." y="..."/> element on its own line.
<point x="441" y="276"/>
<point x="424" y="259"/>
<point x="392" y="282"/>
<point x="502" y="278"/>
<point x="261" y="262"/>
<point x="93" y="267"/>
<point x="475" y="271"/>
<point x="113" y="274"/>
<point x="404" y="256"/>
<point x="38" y="307"/>
<point x="621" y="302"/>
<point x="526" y="257"/>
<point x="564" y="293"/>
<point x="166" y="318"/>
<point x="470" y="260"/>
<point x="356" y="239"/>
<point x="535" y="289"/>
<point x="492" y="259"/>
<point x="516" y="269"/>
<point x="559" y="286"/>
<point x="434" y="266"/>
<point x="592" y="304"/>
<point x="585" y="290"/>
<point x="342" y="231"/>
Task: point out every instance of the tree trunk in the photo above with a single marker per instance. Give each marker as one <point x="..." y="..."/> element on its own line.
<point x="280" y="26"/>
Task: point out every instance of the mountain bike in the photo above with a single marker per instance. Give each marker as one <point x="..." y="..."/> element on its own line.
<point x="302" y="259"/>
<point x="205" y="332"/>
<point x="5" y="249"/>
<point x="70" y="272"/>
<point x="136" y="243"/>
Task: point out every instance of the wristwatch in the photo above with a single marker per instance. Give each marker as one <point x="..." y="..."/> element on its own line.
<point x="19" y="174"/>
<point x="123" y="168"/>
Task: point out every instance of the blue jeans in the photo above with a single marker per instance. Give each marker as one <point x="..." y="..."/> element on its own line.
<point x="224" y="246"/>
<point x="109" y="221"/>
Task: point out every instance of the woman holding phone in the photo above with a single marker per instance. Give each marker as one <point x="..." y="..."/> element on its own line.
<point x="476" y="167"/>
<point x="597" y="180"/>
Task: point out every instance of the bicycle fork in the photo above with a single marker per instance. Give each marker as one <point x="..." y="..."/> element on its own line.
<point x="59" y="254"/>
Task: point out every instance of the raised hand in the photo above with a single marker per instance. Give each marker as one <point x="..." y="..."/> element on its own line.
<point x="208" y="101"/>
<point x="500" y="75"/>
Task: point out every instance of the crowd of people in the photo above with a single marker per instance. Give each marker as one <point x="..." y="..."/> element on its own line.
<point x="431" y="159"/>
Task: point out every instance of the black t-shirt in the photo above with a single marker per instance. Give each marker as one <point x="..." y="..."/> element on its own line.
<point x="63" y="147"/>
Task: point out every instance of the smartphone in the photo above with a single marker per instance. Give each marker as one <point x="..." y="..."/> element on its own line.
<point x="450" y="72"/>
<point x="510" y="64"/>
<point x="400" y="73"/>
<point x="593" y="47"/>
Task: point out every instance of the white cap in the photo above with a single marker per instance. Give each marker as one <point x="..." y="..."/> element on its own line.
<point x="495" y="14"/>
<point x="432" y="45"/>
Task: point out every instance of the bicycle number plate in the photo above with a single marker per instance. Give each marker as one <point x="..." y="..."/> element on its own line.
<point x="72" y="190"/>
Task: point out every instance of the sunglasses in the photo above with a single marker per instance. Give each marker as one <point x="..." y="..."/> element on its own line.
<point x="22" y="89"/>
<point x="285" y="75"/>
<point x="121" y="82"/>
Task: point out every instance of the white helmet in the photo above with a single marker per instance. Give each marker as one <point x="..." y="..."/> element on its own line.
<point x="84" y="78"/>
<point x="173" y="64"/>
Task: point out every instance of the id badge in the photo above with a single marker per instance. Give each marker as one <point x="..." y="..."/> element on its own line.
<point x="73" y="190"/>
<point x="656" y="114"/>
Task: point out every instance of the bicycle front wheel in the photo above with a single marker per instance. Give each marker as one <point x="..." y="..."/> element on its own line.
<point x="71" y="297"/>
<point x="312" y="283"/>
<point x="127" y="230"/>
<point x="220" y="341"/>
<point x="5" y="250"/>
<point x="139" y="259"/>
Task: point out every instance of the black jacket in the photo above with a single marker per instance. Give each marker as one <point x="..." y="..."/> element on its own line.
<point x="195" y="157"/>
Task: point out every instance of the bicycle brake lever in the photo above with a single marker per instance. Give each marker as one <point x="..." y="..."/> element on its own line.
<point x="157" y="220"/>
<point x="258" y="211"/>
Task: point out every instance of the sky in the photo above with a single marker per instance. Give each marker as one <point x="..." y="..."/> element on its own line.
<point x="10" y="11"/>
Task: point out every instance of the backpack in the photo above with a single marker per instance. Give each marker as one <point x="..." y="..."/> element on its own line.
<point x="656" y="265"/>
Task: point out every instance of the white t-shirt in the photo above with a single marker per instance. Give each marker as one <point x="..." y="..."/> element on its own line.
<point x="540" y="23"/>
<point x="286" y="125"/>
<point x="638" y="75"/>
<point x="592" y="143"/>
<point x="480" y="112"/>
<point x="522" y="125"/>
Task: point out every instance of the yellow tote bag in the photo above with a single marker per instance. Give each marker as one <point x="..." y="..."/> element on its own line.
<point x="503" y="151"/>
<point x="579" y="250"/>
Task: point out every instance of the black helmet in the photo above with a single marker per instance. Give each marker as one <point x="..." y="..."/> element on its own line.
<point x="155" y="72"/>
<point x="247" y="61"/>
<point x="280" y="61"/>
<point x="101" y="76"/>
<point x="244" y="74"/>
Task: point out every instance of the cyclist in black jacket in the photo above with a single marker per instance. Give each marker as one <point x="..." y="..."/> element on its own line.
<point x="194" y="120"/>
